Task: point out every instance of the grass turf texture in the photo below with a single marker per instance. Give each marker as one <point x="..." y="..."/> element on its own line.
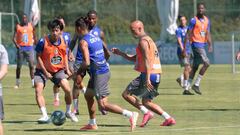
<point x="217" y="111"/>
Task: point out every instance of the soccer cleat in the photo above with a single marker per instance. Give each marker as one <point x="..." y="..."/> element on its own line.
<point x="146" y="117"/>
<point x="71" y="116"/>
<point x="179" y="82"/>
<point x="56" y="103"/>
<point x="89" y="127"/>
<point x="168" y="122"/>
<point x="187" y="92"/>
<point x="196" y="89"/>
<point x="103" y="112"/>
<point x="76" y="112"/>
<point x="43" y="120"/>
<point x="133" y="120"/>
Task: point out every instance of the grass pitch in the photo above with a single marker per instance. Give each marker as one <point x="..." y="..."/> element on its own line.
<point x="216" y="112"/>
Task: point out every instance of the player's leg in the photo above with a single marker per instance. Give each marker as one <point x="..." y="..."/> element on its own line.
<point x="1" y="115"/>
<point x="180" y="79"/>
<point x="30" y="60"/>
<point x="56" y="101"/>
<point x="186" y="72"/>
<point x="40" y="81"/>
<point x="59" y="79"/>
<point x="19" y="66"/>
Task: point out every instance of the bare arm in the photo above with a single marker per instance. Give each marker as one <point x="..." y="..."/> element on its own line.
<point x="85" y="53"/>
<point x="3" y="71"/>
<point x="14" y="38"/>
<point x="179" y="40"/>
<point x="209" y="41"/>
<point x="106" y="51"/>
<point x="124" y="55"/>
<point x="34" y="35"/>
<point x="73" y="41"/>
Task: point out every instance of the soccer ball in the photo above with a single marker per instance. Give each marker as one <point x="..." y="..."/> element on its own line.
<point x="58" y="118"/>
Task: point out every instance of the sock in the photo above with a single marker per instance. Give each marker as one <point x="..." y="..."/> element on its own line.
<point x="75" y="104"/>
<point x="92" y="122"/>
<point x="18" y="81"/>
<point x="44" y="111"/>
<point x="185" y="84"/>
<point x="143" y="109"/>
<point x="68" y="108"/>
<point x="127" y="113"/>
<point x="83" y="90"/>
<point x="32" y="82"/>
<point x="190" y="81"/>
<point x="182" y="77"/>
<point x="197" y="82"/>
<point x="165" y="115"/>
<point x="56" y="96"/>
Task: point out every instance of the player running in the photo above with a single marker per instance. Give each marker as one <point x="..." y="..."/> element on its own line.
<point x="184" y="60"/>
<point x="52" y="62"/>
<point x="24" y="38"/>
<point x="199" y="35"/>
<point x="147" y="63"/>
<point x="93" y="58"/>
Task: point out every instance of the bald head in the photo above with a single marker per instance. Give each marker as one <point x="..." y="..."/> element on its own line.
<point x="137" y="28"/>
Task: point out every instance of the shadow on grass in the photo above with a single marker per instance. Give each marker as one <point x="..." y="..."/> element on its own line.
<point x="22" y="104"/>
<point x="213" y="109"/>
<point x="18" y="121"/>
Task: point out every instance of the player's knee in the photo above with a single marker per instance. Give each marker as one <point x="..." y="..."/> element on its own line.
<point x="206" y="64"/>
<point x="146" y="102"/>
<point x="125" y="94"/>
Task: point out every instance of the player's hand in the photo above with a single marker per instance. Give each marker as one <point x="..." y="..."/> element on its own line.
<point x="184" y="53"/>
<point x="210" y="49"/>
<point x="149" y="85"/>
<point x="238" y="56"/>
<point x="69" y="73"/>
<point x="71" y="57"/>
<point x="116" y="51"/>
<point x="48" y="75"/>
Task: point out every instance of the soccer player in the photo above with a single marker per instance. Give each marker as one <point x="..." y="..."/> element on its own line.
<point x="238" y="55"/>
<point x="199" y="35"/>
<point x="24" y="38"/>
<point x="52" y="63"/>
<point x="67" y="38"/>
<point x="3" y="71"/>
<point x="95" y="30"/>
<point x="183" y="60"/>
<point x="93" y="58"/>
<point x="147" y="63"/>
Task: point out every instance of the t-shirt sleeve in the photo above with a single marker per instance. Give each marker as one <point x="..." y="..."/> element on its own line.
<point x="4" y="56"/>
<point x="192" y="24"/>
<point x="40" y="46"/>
<point x="209" y="25"/>
<point x="178" y="33"/>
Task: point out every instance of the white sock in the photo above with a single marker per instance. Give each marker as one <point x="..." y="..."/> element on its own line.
<point x="75" y="104"/>
<point x="32" y="82"/>
<point x="18" y="81"/>
<point x="68" y="108"/>
<point x="92" y="122"/>
<point x="197" y="82"/>
<point x="83" y="90"/>
<point x="127" y="113"/>
<point x="44" y="111"/>
<point x="143" y="109"/>
<point x="185" y="84"/>
<point x="182" y="77"/>
<point x="165" y="115"/>
<point x="56" y="96"/>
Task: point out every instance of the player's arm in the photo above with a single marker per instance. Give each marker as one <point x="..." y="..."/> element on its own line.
<point x="14" y="38"/>
<point x="85" y="52"/>
<point x="34" y="35"/>
<point x="144" y="45"/>
<point x="209" y="38"/>
<point x="40" y="62"/>
<point x="66" y="64"/>
<point x="124" y="55"/>
<point x="106" y="51"/>
<point x="4" y="64"/>
<point x="179" y="40"/>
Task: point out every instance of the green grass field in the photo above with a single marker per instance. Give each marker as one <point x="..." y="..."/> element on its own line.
<point x="216" y="112"/>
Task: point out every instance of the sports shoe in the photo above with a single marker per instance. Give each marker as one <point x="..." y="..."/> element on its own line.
<point x="179" y="82"/>
<point x="196" y="89"/>
<point x="168" y="122"/>
<point x="56" y="102"/>
<point x="76" y="112"/>
<point x="71" y="116"/>
<point x="16" y="86"/>
<point x="133" y="120"/>
<point x="89" y="127"/>
<point x="187" y="92"/>
<point x="43" y="120"/>
<point x="103" y="112"/>
<point x="146" y="117"/>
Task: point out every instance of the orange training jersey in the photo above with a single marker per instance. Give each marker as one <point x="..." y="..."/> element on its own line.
<point x="53" y="56"/>
<point x="199" y="30"/>
<point x="24" y="35"/>
<point x="155" y="64"/>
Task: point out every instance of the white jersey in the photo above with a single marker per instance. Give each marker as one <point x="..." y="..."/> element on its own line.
<point x="3" y="60"/>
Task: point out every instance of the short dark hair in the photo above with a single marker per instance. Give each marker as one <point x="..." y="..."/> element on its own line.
<point x="59" y="17"/>
<point x="180" y="16"/>
<point x="54" y="24"/>
<point x="201" y="3"/>
<point x="92" y="12"/>
<point x="82" y="22"/>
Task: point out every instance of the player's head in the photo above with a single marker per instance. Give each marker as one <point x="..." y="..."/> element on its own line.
<point x="61" y="19"/>
<point x="24" y="19"/>
<point x="92" y="18"/>
<point x="55" y="27"/>
<point x="137" y="28"/>
<point x="201" y="9"/>
<point x="81" y="25"/>
<point x="183" y="20"/>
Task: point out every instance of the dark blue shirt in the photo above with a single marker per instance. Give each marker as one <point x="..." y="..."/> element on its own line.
<point x="181" y="33"/>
